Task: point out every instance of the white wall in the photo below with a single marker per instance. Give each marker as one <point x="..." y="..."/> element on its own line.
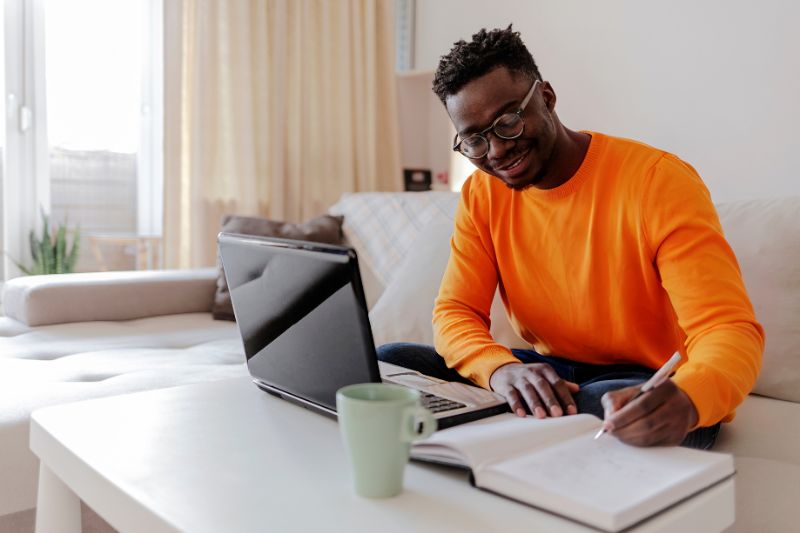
<point x="425" y="130"/>
<point x="717" y="82"/>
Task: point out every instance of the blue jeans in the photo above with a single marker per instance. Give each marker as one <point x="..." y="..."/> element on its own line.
<point x="594" y="380"/>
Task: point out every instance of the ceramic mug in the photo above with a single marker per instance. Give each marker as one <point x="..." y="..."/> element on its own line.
<point x="378" y="422"/>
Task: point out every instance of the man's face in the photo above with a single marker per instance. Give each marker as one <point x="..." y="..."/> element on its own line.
<point x="519" y="162"/>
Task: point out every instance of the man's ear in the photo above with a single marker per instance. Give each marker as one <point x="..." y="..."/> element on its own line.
<point x="549" y="95"/>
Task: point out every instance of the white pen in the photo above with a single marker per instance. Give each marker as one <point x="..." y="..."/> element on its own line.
<point x="661" y="375"/>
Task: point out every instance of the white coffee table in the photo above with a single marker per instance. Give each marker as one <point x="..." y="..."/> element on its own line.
<point x="224" y="456"/>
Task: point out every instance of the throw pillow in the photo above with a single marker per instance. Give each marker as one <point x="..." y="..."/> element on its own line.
<point x="326" y="229"/>
<point x="403" y="312"/>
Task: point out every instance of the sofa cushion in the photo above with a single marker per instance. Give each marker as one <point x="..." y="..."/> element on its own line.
<point x="10" y="327"/>
<point x="325" y="228"/>
<point x="763" y="427"/>
<point x="91" y="296"/>
<point x="381" y="226"/>
<point x="52" y="365"/>
<point x="765" y="236"/>
<point x="403" y="312"/>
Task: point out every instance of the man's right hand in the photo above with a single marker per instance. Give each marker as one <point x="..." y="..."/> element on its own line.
<point x="536" y="385"/>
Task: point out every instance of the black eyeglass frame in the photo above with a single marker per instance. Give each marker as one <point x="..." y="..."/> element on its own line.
<point x="482" y="133"/>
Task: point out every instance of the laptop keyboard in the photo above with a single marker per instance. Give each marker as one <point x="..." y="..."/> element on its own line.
<point x="437" y="404"/>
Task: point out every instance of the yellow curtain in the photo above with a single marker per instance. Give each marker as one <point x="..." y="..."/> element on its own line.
<point x="273" y="108"/>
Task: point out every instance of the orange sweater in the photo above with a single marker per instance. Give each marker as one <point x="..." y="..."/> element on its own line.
<point x="624" y="263"/>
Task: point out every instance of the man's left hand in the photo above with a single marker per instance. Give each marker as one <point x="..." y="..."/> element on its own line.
<point x="661" y="417"/>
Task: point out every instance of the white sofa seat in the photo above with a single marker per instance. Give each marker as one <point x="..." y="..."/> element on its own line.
<point x="65" y="362"/>
<point x="764" y="439"/>
<point x="764" y="428"/>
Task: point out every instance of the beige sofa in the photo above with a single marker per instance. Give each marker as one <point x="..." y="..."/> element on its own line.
<point x="66" y="338"/>
<point x="79" y="336"/>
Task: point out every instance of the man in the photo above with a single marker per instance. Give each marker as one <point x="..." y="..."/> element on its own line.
<point x="609" y="258"/>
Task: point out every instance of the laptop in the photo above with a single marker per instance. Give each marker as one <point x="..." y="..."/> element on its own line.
<point x="303" y="320"/>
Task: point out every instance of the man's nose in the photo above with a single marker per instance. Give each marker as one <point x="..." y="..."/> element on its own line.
<point x="498" y="147"/>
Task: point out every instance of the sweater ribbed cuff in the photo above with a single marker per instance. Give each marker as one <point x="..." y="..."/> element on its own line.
<point x="481" y="370"/>
<point x="701" y="389"/>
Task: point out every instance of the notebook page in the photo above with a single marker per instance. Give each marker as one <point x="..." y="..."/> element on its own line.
<point x="605" y="482"/>
<point x="500" y="437"/>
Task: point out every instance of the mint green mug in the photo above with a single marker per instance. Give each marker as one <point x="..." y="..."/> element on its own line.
<point x="378" y="422"/>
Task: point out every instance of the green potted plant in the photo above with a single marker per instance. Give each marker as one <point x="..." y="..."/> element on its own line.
<point x="50" y="252"/>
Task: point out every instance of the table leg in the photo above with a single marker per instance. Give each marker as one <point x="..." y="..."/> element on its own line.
<point x="58" y="509"/>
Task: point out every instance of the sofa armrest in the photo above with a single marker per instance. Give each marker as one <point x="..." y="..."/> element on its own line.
<point x="91" y="296"/>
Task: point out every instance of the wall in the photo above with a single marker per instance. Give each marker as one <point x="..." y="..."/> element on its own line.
<point x="426" y="133"/>
<point x="716" y="82"/>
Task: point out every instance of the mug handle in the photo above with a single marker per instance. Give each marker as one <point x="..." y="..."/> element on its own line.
<point x="414" y="416"/>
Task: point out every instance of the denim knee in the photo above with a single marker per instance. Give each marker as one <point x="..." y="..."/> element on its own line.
<point x="588" y="400"/>
<point x="419" y="357"/>
<point x="397" y="353"/>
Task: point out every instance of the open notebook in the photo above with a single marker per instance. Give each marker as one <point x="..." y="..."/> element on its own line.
<point x="556" y="465"/>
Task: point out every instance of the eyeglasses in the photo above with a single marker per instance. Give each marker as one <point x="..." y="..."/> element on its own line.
<point x="507" y="126"/>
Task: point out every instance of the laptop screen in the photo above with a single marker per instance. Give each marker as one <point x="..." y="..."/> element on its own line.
<point x="302" y="316"/>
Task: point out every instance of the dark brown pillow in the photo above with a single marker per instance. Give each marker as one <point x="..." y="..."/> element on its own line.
<point x="326" y="229"/>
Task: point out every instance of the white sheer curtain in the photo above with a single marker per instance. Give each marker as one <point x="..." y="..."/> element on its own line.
<point x="273" y="108"/>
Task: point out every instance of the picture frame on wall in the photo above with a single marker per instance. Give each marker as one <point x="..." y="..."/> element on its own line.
<point x="417" y="179"/>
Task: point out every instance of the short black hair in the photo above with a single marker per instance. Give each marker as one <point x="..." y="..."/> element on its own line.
<point x="487" y="51"/>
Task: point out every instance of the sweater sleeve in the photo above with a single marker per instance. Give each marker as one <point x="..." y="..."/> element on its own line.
<point x="697" y="267"/>
<point x="461" y="313"/>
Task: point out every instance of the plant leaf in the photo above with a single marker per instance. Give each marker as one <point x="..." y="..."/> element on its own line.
<point x="19" y="265"/>
<point x="39" y="266"/>
<point x="72" y="258"/>
<point x="46" y="224"/>
<point x="44" y="250"/>
<point x="49" y="250"/>
<point x="34" y="244"/>
<point x="45" y="245"/>
<point x="60" y="249"/>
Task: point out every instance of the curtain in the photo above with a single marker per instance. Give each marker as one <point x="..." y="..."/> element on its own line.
<point x="273" y="108"/>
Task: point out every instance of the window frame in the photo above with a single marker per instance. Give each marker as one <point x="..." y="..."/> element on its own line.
<point x="25" y="183"/>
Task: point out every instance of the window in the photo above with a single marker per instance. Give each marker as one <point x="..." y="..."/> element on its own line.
<point x="84" y="95"/>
